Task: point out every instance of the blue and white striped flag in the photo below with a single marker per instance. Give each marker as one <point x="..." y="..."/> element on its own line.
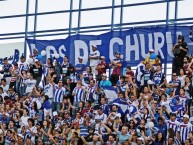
<point x="122" y="103"/>
<point x="110" y="93"/>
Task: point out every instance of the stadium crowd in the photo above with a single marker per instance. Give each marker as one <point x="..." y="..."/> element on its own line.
<point x="62" y="104"/>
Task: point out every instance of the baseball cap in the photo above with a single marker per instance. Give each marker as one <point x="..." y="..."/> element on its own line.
<point x="55" y="113"/>
<point x="94" y="46"/>
<point x="186" y="116"/>
<point x="20" y="135"/>
<point x="150" y="82"/>
<point x="141" y="139"/>
<point x="80" y="57"/>
<point x="102" y="57"/>
<point x="104" y="74"/>
<point x="151" y="50"/>
<point x="36" y="60"/>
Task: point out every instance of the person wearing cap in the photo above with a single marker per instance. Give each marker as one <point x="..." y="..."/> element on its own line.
<point x="180" y="49"/>
<point x="184" y="128"/>
<point x="147" y="59"/>
<point x="94" y="59"/>
<point x="6" y="70"/>
<point x="79" y="67"/>
<point x="101" y="68"/>
<point x="116" y="64"/>
<point x="104" y="82"/>
<point x="19" y="139"/>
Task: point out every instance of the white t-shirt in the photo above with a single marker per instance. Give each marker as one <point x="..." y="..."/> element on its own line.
<point x="24" y="120"/>
<point x="5" y="88"/>
<point x="102" y="117"/>
<point x="94" y="62"/>
<point x="30" y="84"/>
<point x="182" y="80"/>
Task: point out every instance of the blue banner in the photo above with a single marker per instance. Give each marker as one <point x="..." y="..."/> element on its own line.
<point x="134" y="44"/>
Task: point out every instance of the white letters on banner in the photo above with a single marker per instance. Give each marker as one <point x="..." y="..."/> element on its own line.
<point x="158" y="45"/>
<point x="132" y="47"/>
<point x="142" y="42"/>
<point x="60" y="51"/>
<point x="135" y="46"/>
<point x="81" y="45"/>
<point x="112" y="42"/>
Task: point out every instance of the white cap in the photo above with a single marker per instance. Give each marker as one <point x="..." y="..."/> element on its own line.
<point x="142" y="139"/>
<point x="102" y="57"/>
<point x="80" y="57"/>
<point x="6" y="114"/>
<point x="104" y="74"/>
<point x="55" y="113"/>
<point x="186" y="116"/>
<point x="36" y="60"/>
<point x="151" y="50"/>
<point x="150" y="82"/>
<point x="20" y="135"/>
<point x="94" y="46"/>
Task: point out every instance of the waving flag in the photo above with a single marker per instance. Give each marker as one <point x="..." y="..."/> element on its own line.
<point x="110" y="92"/>
<point x="122" y="103"/>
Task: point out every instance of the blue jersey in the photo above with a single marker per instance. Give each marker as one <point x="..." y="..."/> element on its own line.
<point x="177" y="92"/>
<point x="147" y="76"/>
<point x="80" y="65"/>
<point x="158" y="78"/>
<point x="6" y="70"/>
